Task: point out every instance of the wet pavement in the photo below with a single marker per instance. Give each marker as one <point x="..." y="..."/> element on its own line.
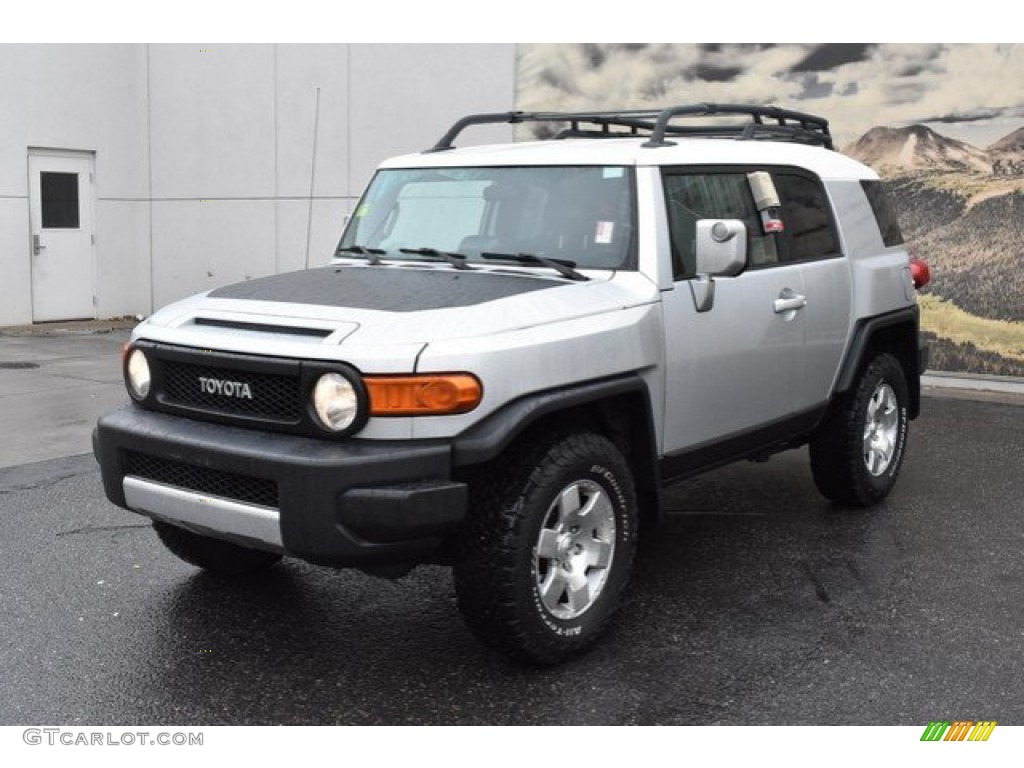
<point x="54" y="383"/>
<point x="755" y="603"/>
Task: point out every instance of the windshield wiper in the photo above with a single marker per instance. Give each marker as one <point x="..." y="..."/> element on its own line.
<point x="563" y="266"/>
<point x="457" y="260"/>
<point x="372" y="255"/>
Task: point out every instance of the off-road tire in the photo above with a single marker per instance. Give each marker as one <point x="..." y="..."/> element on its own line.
<point x="520" y="538"/>
<point x="842" y="448"/>
<point x="214" y="555"/>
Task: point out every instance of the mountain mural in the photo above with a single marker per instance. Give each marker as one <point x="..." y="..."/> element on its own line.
<point x="1008" y="154"/>
<point x="960" y="200"/>
<point x="961" y="208"/>
<point x="919" y="148"/>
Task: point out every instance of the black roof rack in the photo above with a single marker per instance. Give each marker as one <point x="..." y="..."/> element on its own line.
<point x="769" y="123"/>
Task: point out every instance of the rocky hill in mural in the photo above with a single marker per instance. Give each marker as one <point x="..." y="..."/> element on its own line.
<point x="962" y="210"/>
<point x="917" y="148"/>
<point x="1008" y="154"/>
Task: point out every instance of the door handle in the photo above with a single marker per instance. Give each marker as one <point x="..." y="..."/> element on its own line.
<point x="789" y="301"/>
<point x="36" y="247"/>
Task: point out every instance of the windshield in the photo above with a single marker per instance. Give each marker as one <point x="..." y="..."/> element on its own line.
<point x="578" y="214"/>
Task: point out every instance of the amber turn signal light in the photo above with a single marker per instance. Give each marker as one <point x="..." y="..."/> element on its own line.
<point x="435" y="394"/>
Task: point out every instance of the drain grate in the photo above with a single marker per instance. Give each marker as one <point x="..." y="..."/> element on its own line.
<point x="18" y="365"/>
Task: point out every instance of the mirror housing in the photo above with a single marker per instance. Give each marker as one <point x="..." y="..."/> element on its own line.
<point x="721" y="247"/>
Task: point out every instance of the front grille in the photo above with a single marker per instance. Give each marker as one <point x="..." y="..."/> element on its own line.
<point x="274" y="397"/>
<point x="216" y="482"/>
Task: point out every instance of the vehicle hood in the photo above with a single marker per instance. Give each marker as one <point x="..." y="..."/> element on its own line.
<point x="362" y="310"/>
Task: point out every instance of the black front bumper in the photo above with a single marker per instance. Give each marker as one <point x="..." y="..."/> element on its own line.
<point x="353" y="503"/>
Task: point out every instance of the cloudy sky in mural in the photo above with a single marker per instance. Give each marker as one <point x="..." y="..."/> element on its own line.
<point x="972" y="92"/>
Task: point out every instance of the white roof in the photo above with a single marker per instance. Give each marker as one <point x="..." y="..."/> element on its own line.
<point x="826" y="163"/>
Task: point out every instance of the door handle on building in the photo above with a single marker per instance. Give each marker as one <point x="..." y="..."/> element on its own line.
<point x="36" y="247"/>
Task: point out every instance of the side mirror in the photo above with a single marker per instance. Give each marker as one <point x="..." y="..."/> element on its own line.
<point x="721" y="247"/>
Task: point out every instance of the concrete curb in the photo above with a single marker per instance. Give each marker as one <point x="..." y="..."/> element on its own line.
<point x="998" y="389"/>
<point x="72" y="328"/>
<point x="974" y="382"/>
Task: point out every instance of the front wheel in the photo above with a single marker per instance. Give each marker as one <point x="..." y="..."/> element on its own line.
<point x="549" y="547"/>
<point x="858" y="450"/>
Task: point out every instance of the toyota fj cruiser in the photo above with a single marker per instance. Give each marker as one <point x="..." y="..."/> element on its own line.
<point x="515" y="347"/>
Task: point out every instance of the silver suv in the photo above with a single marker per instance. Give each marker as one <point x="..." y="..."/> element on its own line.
<point x="516" y="347"/>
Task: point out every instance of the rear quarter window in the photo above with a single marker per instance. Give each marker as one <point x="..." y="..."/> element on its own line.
<point x="808" y="218"/>
<point x="885" y="214"/>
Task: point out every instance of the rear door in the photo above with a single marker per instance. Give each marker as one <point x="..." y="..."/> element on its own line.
<point x="810" y="241"/>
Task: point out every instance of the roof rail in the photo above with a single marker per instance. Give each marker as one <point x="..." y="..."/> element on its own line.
<point x="658" y="124"/>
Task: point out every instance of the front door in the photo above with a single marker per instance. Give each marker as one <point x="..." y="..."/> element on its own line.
<point x="62" y="243"/>
<point x="738" y="365"/>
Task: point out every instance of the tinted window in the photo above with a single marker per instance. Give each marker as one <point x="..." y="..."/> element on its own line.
<point x="58" y="193"/>
<point x="888" y="225"/>
<point x="806" y="214"/>
<point x="692" y="197"/>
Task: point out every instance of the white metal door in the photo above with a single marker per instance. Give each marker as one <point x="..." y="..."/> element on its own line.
<point x="62" y="242"/>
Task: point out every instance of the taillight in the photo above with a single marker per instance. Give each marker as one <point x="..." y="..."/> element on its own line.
<point x="919" y="272"/>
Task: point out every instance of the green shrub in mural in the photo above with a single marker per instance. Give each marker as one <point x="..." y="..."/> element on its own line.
<point x="943" y="124"/>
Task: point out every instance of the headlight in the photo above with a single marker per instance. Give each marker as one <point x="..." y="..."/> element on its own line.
<point x="335" y="402"/>
<point x="138" y="377"/>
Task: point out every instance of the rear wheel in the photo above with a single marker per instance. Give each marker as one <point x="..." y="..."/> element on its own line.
<point x="858" y="450"/>
<point x="549" y="548"/>
<point x="211" y="554"/>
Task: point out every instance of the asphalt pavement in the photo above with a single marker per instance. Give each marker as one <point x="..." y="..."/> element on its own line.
<point x="756" y="602"/>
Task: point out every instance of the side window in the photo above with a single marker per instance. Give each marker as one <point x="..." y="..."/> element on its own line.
<point x="690" y="197"/>
<point x="888" y="225"/>
<point x="807" y="217"/>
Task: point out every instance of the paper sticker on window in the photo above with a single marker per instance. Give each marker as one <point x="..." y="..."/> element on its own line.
<point x="603" y="236"/>
<point x="362" y="210"/>
<point x="612" y="172"/>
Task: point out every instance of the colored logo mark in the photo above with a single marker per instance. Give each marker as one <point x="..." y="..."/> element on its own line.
<point x="958" y="730"/>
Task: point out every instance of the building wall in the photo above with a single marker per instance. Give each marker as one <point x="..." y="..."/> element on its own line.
<point x="204" y="154"/>
<point x="84" y="98"/>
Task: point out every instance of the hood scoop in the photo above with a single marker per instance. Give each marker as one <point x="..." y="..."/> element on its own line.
<point x="214" y="327"/>
<point x="288" y="330"/>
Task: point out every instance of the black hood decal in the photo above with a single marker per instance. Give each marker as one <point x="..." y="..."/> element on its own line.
<point x="391" y="289"/>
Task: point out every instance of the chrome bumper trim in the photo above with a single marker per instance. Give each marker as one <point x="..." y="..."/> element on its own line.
<point x="245" y="524"/>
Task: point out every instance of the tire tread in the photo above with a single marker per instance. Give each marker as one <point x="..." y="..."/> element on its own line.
<point x="836" y="449"/>
<point x="488" y="575"/>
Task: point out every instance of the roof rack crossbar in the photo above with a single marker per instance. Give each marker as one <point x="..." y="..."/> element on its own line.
<point x="788" y="125"/>
<point x="812" y="127"/>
